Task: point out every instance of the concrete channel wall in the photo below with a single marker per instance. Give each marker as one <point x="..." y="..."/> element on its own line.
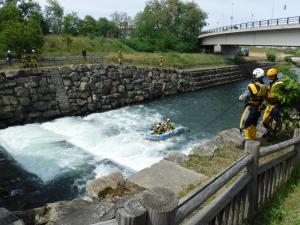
<point x="40" y="94"/>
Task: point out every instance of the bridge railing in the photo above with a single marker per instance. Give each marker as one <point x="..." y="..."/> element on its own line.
<point x="234" y="196"/>
<point x="256" y="24"/>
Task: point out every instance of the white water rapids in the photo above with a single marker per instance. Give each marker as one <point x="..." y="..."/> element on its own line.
<point x="53" y="148"/>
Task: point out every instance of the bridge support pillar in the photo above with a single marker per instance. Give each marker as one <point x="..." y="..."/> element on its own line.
<point x="229" y="51"/>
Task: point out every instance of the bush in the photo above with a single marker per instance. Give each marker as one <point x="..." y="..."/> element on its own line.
<point x="138" y="45"/>
<point x="271" y="56"/>
<point x="289" y="51"/>
<point x="297" y="53"/>
<point x="288" y="59"/>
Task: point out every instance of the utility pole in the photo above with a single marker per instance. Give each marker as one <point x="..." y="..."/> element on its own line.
<point x="273" y="5"/>
<point x="231" y="18"/>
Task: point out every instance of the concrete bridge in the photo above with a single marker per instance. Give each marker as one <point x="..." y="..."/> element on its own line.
<point x="273" y="32"/>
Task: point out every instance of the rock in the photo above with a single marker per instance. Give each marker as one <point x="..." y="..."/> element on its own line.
<point x="112" y="187"/>
<point x="139" y="98"/>
<point x="83" y="86"/>
<point x="76" y="212"/>
<point x="24" y="101"/>
<point x="8" y="218"/>
<point x="206" y="148"/>
<point x="232" y="135"/>
<point x="75" y="76"/>
<point x="65" y="70"/>
<point x="176" y="157"/>
<point x="9" y="100"/>
<point x="11" y="74"/>
<point x="168" y="175"/>
<point x="21" y="92"/>
<point x="122" y="89"/>
<point x="97" y="188"/>
<point x="31" y="84"/>
<point x="40" y="106"/>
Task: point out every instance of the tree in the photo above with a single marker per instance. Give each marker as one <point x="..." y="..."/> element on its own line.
<point x="54" y="16"/>
<point x="9" y="13"/>
<point x="20" y="27"/>
<point x="106" y="28"/>
<point x="170" y="24"/>
<point x="18" y="36"/>
<point x="123" y="21"/>
<point x="89" y="25"/>
<point x="289" y="96"/>
<point x="72" y="24"/>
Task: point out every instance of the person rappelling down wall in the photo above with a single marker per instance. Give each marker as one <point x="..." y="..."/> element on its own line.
<point x="253" y="97"/>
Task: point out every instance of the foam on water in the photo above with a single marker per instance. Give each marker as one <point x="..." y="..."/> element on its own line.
<point x="117" y="135"/>
<point x="111" y="141"/>
<point x="41" y="152"/>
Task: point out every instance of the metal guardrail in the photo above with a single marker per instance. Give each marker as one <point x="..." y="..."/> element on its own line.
<point x="54" y="61"/>
<point x="256" y="24"/>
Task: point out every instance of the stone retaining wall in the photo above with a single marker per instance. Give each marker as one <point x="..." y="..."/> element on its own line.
<point x="36" y="95"/>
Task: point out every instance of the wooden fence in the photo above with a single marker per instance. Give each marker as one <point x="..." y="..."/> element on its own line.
<point x="232" y="197"/>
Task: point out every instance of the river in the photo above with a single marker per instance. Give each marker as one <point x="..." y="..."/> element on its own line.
<point x="64" y="153"/>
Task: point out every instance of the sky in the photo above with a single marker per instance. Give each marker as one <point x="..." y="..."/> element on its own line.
<point x="219" y="12"/>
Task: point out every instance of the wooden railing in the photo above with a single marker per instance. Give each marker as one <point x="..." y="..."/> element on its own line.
<point x="233" y="196"/>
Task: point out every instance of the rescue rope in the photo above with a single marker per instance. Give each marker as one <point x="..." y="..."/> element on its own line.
<point x="216" y="118"/>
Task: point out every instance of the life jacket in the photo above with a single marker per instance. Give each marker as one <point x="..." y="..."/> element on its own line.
<point x="272" y="95"/>
<point x="258" y="91"/>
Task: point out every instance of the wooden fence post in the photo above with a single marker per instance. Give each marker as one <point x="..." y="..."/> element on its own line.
<point x="252" y="147"/>
<point x="297" y="146"/>
<point x="132" y="213"/>
<point x="161" y="204"/>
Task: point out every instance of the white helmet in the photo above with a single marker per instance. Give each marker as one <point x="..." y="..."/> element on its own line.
<point x="258" y="73"/>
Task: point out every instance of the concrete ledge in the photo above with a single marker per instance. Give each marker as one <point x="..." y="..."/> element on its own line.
<point x="166" y="174"/>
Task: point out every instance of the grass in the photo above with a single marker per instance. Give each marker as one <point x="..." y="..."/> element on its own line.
<point x="211" y="165"/>
<point x="57" y="46"/>
<point x="283" y="209"/>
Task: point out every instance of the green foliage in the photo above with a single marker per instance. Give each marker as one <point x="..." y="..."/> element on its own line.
<point x="288" y="59"/>
<point x="20" y="27"/>
<point x="54" y="16"/>
<point x="283" y="207"/>
<point x="56" y="45"/>
<point x="271" y="56"/>
<point x="106" y="28"/>
<point x="139" y="45"/>
<point x="68" y="41"/>
<point x="290" y="51"/>
<point x="297" y="53"/>
<point x="289" y="96"/>
<point x="89" y="26"/>
<point x="72" y="24"/>
<point x="169" y="24"/>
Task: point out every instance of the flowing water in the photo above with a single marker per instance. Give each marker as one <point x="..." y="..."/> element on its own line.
<point x="66" y="152"/>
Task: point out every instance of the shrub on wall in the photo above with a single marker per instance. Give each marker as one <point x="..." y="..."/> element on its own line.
<point x="271" y="56"/>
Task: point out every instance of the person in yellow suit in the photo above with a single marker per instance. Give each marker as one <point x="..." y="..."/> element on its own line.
<point x="253" y="97"/>
<point x="271" y="117"/>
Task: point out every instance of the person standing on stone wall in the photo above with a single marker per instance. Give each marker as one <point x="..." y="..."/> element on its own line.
<point x="33" y="58"/>
<point x="83" y="53"/>
<point x="8" y="57"/>
<point x="25" y="58"/>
